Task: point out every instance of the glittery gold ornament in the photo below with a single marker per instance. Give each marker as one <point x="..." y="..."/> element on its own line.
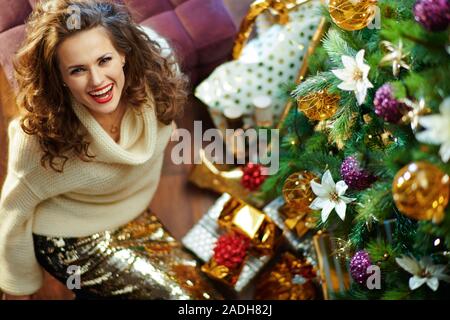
<point x="319" y="105"/>
<point x="297" y="191"/>
<point x="421" y="191"/>
<point x="352" y="15"/>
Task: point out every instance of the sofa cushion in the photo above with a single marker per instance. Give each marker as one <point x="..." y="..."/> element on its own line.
<point x="168" y="26"/>
<point x="211" y="40"/>
<point x="178" y="2"/>
<point x="33" y="2"/>
<point x="142" y="9"/>
<point x="13" y="13"/>
<point x="10" y="42"/>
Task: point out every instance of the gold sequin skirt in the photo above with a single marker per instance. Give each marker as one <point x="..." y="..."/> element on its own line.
<point x="140" y="260"/>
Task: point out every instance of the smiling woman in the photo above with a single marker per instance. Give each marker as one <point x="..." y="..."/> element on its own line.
<point x="85" y="159"/>
<point x="94" y="77"/>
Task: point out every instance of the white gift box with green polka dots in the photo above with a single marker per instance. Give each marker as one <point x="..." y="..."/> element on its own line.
<point x="266" y="64"/>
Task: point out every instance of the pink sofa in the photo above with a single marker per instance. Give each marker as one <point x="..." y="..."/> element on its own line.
<point x="200" y="31"/>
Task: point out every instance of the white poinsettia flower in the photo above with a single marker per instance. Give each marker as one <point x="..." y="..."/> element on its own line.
<point x="330" y="196"/>
<point x="437" y="129"/>
<point x="423" y="271"/>
<point x="355" y="76"/>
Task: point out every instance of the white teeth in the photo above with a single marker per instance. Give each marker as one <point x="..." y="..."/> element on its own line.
<point x="102" y="92"/>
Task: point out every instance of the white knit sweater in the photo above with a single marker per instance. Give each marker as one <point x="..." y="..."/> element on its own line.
<point x="88" y="197"/>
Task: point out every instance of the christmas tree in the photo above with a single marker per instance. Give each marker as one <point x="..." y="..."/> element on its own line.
<point x="371" y="128"/>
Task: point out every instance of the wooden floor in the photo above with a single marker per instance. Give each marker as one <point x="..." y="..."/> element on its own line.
<point x="178" y="203"/>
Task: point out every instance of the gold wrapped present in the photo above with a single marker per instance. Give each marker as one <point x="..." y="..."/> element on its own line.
<point x="294" y="224"/>
<point x="222" y="273"/>
<point x="202" y="239"/>
<point x="333" y="267"/>
<point x="241" y="217"/>
<point x="290" y="279"/>
<point x="296" y="220"/>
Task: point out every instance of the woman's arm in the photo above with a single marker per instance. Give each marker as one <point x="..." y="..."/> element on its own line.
<point x="20" y="273"/>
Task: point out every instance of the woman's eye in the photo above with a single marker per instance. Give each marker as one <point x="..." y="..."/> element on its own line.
<point x="75" y="71"/>
<point x="105" y="60"/>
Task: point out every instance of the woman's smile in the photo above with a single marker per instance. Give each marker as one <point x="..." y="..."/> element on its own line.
<point x="94" y="77"/>
<point x="103" y="95"/>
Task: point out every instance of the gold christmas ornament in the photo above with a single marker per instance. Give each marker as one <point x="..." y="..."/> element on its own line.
<point x="421" y="191"/>
<point x="352" y="15"/>
<point x="297" y="190"/>
<point x="396" y="57"/>
<point x="319" y="105"/>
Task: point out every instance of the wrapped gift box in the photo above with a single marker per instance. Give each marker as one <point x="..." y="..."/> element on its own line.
<point x="320" y="250"/>
<point x="300" y="244"/>
<point x="202" y="237"/>
<point x="291" y="278"/>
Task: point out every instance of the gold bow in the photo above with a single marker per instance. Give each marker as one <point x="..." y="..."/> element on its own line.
<point x="220" y="272"/>
<point x="279" y="7"/>
<point x="289" y="279"/>
<point x="264" y="234"/>
<point x="300" y="222"/>
<point x="206" y="175"/>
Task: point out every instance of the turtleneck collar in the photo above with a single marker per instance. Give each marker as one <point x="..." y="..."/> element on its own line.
<point x="137" y="136"/>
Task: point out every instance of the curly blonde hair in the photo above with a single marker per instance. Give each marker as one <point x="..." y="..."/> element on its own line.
<point x="47" y="103"/>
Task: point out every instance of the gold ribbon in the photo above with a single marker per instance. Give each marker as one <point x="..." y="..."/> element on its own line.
<point x="297" y="221"/>
<point x="241" y="217"/>
<point x="221" y="272"/>
<point x="281" y="283"/>
<point x="279" y="7"/>
<point x="206" y="175"/>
